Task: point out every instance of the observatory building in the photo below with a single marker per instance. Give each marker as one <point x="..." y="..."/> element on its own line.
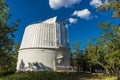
<point x="44" y="47"/>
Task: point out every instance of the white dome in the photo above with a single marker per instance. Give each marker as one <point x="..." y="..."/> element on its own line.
<point x="44" y="35"/>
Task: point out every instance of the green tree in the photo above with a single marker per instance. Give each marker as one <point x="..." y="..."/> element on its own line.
<point x="6" y="38"/>
<point x="109" y="41"/>
<point x="76" y="55"/>
<point x="14" y="56"/>
<point x="109" y="47"/>
<point x="91" y="55"/>
<point x="112" y="5"/>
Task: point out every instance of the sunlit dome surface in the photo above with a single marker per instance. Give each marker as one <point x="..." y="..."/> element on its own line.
<point x="51" y="20"/>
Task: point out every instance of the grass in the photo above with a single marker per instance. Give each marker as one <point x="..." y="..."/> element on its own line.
<point x="56" y="76"/>
<point x="101" y="78"/>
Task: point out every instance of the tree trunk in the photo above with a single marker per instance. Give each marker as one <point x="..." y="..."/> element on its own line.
<point x="105" y="68"/>
<point x="107" y="72"/>
<point x="90" y="69"/>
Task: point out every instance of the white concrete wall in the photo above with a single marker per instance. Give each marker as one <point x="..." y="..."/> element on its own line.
<point x="48" y="57"/>
<point x="44" y="56"/>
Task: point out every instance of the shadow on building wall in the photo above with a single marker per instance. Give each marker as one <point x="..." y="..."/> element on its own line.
<point x="35" y="66"/>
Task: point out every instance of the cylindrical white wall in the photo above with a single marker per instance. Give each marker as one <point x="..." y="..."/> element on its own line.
<point x="43" y="56"/>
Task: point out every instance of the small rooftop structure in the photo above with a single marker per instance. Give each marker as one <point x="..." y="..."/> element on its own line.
<point x="51" y="20"/>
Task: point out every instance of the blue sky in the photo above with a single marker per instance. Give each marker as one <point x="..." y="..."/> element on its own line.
<point x="81" y="16"/>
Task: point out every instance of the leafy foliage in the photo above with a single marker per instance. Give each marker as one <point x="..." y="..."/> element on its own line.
<point x="105" y="53"/>
<point x="112" y="5"/>
<point x="6" y="38"/>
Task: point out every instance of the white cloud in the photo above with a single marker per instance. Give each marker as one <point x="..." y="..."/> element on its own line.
<point x="56" y="4"/>
<point x="66" y="26"/>
<point x="96" y="3"/>
<point x="107" y="2"/>
<point x="72" y="20"/>
<point x="84" y="14"/>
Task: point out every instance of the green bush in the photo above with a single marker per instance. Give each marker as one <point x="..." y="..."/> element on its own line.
<point x="36" y="76"/>
<point x="55" y="76"/>
<point x="6" y="72"/>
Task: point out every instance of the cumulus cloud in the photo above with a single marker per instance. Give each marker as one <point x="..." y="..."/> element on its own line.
<point x="84" y="14"/>
<point x="72" y="20"/>
<point x="56" y="4"/>
<point x="96" y="3"/>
